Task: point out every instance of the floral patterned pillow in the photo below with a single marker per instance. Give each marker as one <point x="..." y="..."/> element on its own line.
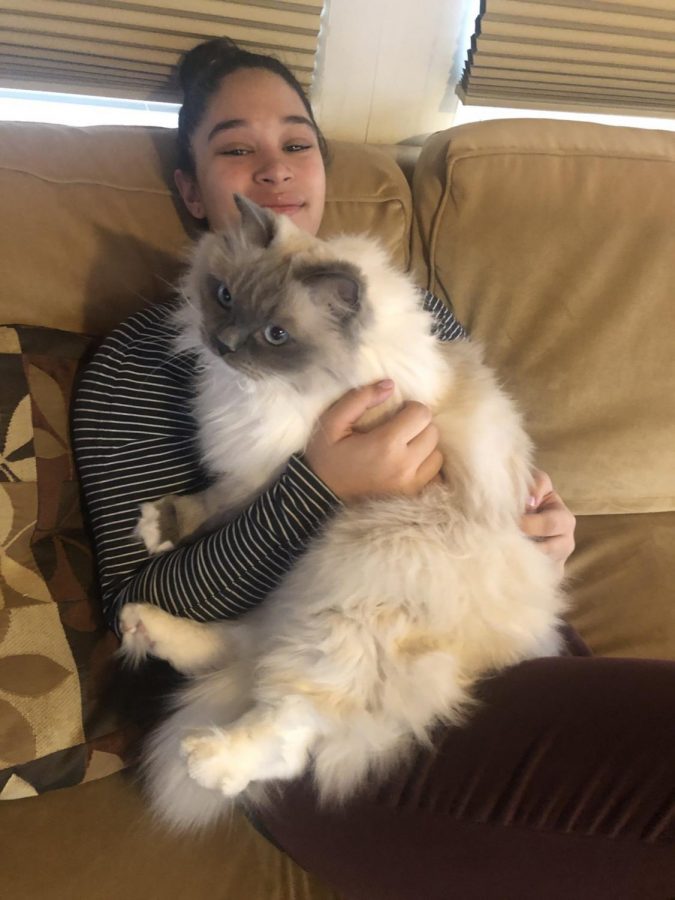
<point x="56" y="726"/>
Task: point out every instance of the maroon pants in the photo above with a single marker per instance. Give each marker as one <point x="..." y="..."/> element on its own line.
<point x="562" y="786"/>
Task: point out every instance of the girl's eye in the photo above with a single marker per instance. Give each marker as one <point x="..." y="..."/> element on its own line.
<point x="275" y="335"/>
<point x="235" y="151"/>
<point x="295" y="148"/>
<point x="223" y="296"/>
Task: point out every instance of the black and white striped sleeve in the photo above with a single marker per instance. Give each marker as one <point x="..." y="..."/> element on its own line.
<point x="134" y="439"/>
<point x="444" y="324"/>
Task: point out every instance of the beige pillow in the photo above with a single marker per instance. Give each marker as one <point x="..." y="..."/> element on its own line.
<point x="555" y="243"/>
<point x="91" y="230"/>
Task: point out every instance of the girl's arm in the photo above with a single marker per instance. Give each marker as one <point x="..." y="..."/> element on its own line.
<point x="225" y="573"/>
<point x="134" y="439"/>
<point x="444" y="324"/>
<point x="135" y="442"/>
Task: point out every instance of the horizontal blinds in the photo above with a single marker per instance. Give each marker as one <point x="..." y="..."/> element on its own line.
<point x="608" y="54"/>
<point x="129" y="48"/>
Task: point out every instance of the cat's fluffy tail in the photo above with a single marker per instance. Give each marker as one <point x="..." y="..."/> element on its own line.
<point x="177" y="800"/>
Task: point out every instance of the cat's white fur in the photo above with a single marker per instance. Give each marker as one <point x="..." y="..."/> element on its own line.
<point x="391" y="615"/>
<point x="264" y="422"/>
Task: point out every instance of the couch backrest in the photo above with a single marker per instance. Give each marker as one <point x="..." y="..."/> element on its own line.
<point x="91" y="230"/>
<point x="555" y="242"/>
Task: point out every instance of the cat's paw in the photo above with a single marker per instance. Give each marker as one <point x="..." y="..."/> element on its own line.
<point x="215" y="762"/>
<point x="146" y="631"/>
<point x="157" y="526"/>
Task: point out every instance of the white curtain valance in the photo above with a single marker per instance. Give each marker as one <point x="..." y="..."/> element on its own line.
<point x="130" y="49"/>
<point x="598" y="55"/>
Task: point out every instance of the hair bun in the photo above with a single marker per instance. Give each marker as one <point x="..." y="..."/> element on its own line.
<point x="203" y="57"/>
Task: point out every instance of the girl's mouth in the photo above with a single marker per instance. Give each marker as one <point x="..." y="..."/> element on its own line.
<point x="284" y="209"/>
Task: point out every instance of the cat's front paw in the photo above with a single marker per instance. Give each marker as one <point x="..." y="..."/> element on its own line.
<point x="146" y="631"/>
<point x="157" y="526"/>
<point x="213" y="761"/>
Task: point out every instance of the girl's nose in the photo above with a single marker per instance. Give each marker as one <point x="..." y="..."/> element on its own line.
<point x="273" y="171"/>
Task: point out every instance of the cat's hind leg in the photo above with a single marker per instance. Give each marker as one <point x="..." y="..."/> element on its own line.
<point x="190" y="647"/>
<point x="266" y="743"/>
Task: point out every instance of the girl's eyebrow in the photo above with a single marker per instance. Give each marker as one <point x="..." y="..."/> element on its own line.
<point x="227" y="124"/>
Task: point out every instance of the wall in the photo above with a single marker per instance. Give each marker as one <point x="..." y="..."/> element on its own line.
<point x="386" y="68"/>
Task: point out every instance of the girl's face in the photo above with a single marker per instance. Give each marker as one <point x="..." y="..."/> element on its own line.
<point x="255" y="140"/>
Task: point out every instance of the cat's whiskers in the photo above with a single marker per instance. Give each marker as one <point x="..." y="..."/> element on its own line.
<point x="178" y="355"/>
<point x="164" y="281"/>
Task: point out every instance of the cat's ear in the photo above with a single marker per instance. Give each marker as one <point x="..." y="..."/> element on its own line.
<point x="337" y="284"/>
<point x="258" y="225"/>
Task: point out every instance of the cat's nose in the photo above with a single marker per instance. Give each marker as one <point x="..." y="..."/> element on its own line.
<point x="229" y="339"/>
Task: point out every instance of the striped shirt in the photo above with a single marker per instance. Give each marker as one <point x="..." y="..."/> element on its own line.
<point x="135" y="440"/>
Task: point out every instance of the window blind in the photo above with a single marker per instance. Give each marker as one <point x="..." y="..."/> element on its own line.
<point x="606" y="55"/>
<point x="129" y="48"/>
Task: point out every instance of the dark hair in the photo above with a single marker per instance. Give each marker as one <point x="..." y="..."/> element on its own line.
<point x="201" y="72"/>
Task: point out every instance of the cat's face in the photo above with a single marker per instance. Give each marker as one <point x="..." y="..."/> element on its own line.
<point x="272" y="304"/>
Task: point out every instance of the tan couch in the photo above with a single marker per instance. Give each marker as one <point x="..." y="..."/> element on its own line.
<point x="555" y="243"/>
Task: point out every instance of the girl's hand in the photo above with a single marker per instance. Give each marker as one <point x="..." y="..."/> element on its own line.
<point x="548" y="521"/>
<point x="400" y="456"/>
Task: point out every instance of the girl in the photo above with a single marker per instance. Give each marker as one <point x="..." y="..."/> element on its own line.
<point x="553" y="789"/>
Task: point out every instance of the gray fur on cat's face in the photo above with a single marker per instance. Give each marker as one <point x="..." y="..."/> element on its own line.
<point x="267" y="311"/>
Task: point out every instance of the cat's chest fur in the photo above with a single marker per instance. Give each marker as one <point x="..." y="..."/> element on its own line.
<point x="249" y="426"/>
<point x="249" y="429"/>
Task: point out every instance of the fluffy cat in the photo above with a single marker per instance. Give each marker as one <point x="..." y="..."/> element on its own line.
<point x="395" y="610"/>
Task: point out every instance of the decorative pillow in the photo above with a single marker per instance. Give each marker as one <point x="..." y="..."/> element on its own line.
<point x="56" y="728"/>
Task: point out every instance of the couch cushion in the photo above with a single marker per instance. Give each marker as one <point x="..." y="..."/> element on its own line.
<point x="98" y="841"/>
<point x="621" y="583"/>
<point x="555" y="243"/>
<point x="55" y="654"/>
<point x="91" y="230"/>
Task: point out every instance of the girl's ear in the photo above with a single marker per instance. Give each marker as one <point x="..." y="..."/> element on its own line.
<point x="189" y="191"/>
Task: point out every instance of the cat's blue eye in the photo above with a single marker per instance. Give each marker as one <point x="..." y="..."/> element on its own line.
<point x="275" y="335"/>
<point x="223" y="296"/>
